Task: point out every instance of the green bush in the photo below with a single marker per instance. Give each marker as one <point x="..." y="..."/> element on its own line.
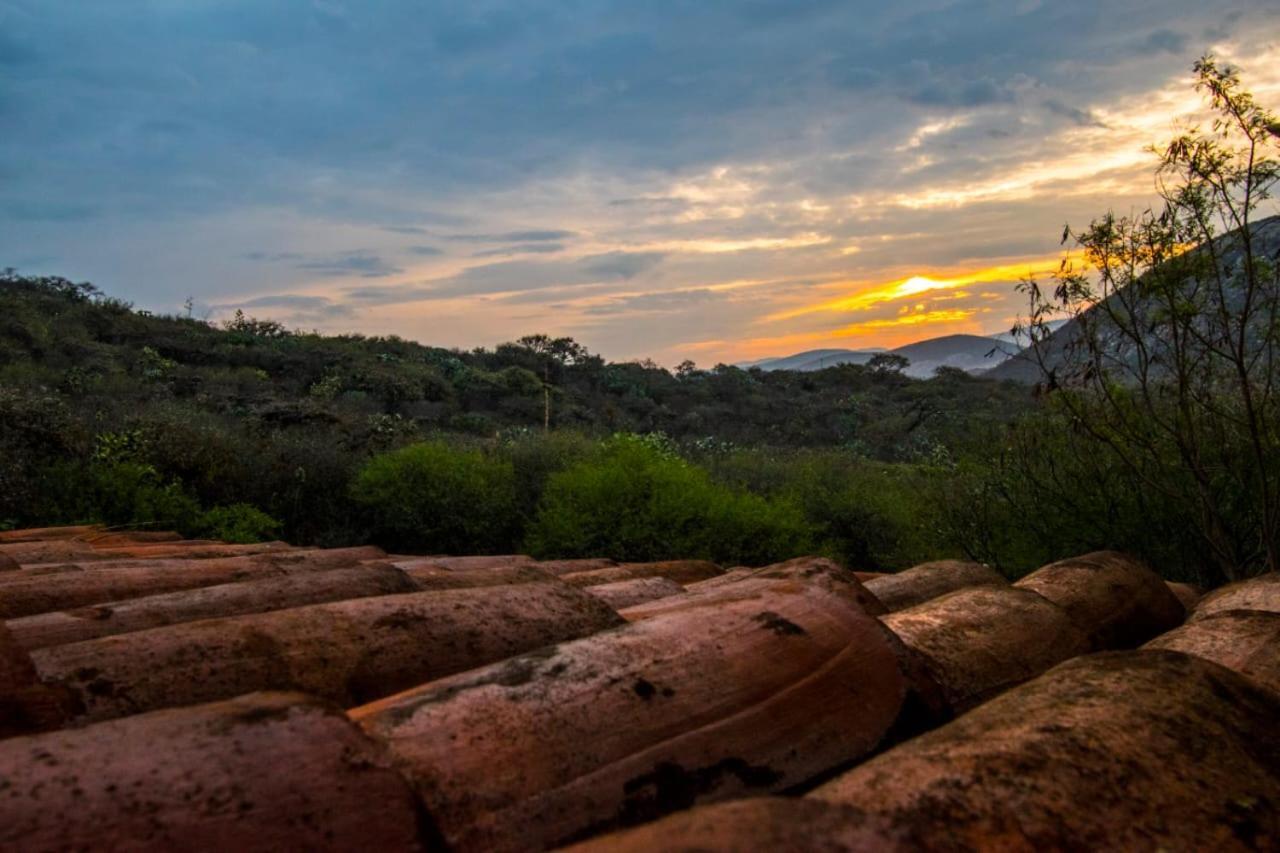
<point x="869" y="515"/>
<point x="872" y="516"/>
<point x="432" y="498"/>
<point x="635" y="501"/>
<point x="535" y="456"/>
<point x="133" y="494"/>
<point x="241" y="523"/>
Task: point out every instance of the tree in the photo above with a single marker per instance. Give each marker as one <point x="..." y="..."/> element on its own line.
<point x="888" y="362"/>
<point x="1168" y="361"/>
<point x="686" y="369"/>
<point x="549" y="353"/>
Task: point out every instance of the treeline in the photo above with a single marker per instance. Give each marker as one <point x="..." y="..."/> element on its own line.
<point x="97" y="351"/>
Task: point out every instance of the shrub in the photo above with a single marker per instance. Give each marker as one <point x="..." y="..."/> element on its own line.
<point x="869" y="515"/>
<point x="241" y="523"/>
<point x="535" y="456"/>
<point x="635" y="501"/>
<point x="431" y="498"/>
<point x="133" y="494"/>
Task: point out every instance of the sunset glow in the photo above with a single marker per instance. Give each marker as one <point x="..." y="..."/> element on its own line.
<point x="516" y="168"/>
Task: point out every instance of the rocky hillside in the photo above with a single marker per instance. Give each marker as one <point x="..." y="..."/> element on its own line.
<point x="1024" y="365"/>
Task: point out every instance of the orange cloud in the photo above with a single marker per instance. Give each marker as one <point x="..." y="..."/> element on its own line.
<point x="910" y="327"/>
<point x="915" y="318"/>
<point x="920" y="284"/>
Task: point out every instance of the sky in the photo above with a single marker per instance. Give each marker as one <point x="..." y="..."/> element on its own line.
<point x="715" y="180"/>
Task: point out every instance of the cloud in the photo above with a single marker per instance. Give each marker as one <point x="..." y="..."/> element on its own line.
<point x="520" y="249"/>
<point x="619" y="265"/>
<point x="962" y="93"/>
<point x="271" y="256"/>
<point x="512" y="236"/>
<point x="352" y="263"/>
<point x="515" y="276"/>
<point x="593" y="160"/>
<point x="1163" y="41"/>
<point x="1077" y="116"/>
<point x="660" y="302"/>
<point x="295" y="306"/>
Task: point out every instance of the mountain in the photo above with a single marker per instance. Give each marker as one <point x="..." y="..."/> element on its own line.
<point x="1023" y="366"/>
<point x="1009" y="338"/>
<point x="972" y="353"/>
<point x="815" y="359"/>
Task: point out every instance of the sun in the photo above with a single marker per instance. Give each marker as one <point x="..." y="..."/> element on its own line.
<point x="918" y="284"/>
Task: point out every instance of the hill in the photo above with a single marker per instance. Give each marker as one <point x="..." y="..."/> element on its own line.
<point x="1024" y="366"/>
<point x="970" y="353"/>
<point x="814" y="359"/>
<point x="103" y="408"/>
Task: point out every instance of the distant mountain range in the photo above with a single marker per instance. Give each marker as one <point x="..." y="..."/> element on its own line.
<point x="972" y="353"/>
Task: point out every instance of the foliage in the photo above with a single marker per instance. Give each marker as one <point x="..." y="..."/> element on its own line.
<point x="241" y="523"/>
<point x="431" y="498"/>
<point x="636" y="502"/>
<point x="1168" y="366"/>
<point x="134" y="494"/>
<point x="869" y="515"/>
<point x="202" y="416"/>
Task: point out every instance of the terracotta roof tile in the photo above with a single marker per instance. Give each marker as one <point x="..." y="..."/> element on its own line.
<point x="232" y="599"/>
<point x="630" y="593"/>
<point x="259" y="772"/>
<point x="680" y="571"/>
<point x="1138" y="750"/>
<point x="930" y="580"/>
<point x="40" y="590"/>
<point x="1247" y="641"/>
<point x="1260" y="593"/>
<point x="760" y="693"/>
<point x="740" y="583"/>
<point x="980" y="641"/>
<point x="1116" y="600"/>
<point x="434" y="577"/>
<point x="347" y="652"/>
<point x="530" y="714"/>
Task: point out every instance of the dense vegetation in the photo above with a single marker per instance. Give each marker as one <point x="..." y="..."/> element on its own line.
<point x="251" y="429"/>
